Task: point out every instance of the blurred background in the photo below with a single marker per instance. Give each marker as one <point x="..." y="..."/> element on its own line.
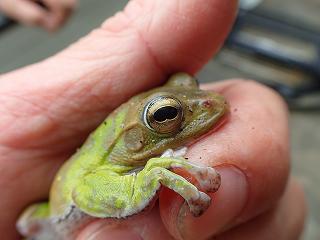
<point x="274" y="42"/>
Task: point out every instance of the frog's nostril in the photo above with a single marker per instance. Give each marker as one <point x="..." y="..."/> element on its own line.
<point x="207" y="103"/>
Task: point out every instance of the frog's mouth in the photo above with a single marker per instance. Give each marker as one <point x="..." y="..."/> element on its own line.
<point x="221" y="122"/>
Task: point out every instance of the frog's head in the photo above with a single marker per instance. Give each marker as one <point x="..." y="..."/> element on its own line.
<point x="170" y="116"/>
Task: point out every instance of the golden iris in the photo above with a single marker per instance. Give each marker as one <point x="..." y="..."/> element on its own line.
<point x="163" y="114"/>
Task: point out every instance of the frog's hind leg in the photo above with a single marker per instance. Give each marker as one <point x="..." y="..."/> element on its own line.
<point x="33" y="221"/>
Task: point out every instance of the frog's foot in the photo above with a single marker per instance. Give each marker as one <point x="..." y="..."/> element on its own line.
<point x="198" y="201"/>
<point x="208" y="178"/>
<point x="33" y="220"/>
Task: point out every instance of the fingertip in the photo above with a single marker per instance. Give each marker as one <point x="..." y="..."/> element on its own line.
<point x="227" y="204"/>
<point x="255" y="139"/>
<point x="181" y="35"/>
<point x="101" y="230"/>
<point x="285" y="220"/>
<point x="146" y="225"/>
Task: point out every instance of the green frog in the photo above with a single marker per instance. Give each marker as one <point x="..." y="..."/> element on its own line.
<point x="121" y="167"/>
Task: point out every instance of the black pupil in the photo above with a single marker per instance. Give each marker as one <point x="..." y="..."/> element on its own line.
<point x="165" y="113"/>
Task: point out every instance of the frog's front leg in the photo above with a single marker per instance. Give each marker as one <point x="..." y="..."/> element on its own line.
<point x="207" y="177"/>
<point x="156" y="171"/>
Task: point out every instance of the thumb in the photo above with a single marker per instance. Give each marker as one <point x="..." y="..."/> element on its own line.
<point x="140" y="45"/>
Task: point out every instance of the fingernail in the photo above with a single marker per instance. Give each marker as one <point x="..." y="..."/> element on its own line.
<point x="226" y="206"/>
<point x="102" y="231"/>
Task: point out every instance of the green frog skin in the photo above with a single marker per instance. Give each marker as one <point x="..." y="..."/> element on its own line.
<point x="120" y="168"/>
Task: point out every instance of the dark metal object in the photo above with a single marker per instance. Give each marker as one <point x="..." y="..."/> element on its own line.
<point x="303" y="55"/>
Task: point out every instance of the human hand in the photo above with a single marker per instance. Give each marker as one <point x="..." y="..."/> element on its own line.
<point x="29" y="12"/>
<point x="49" y="108"/>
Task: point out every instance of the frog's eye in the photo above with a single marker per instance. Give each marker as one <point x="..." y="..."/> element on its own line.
<point x="163" y="115"/>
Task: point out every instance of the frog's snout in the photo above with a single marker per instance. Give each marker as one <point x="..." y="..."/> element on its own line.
<point x="213" y="104"/>
<point x="207" y="103"/>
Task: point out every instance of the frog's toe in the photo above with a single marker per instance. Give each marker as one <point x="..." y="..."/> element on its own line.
<point x="178" y="153"/>
<point x="200" y="205"/>
<point x="33" y="219"/>
<point x="208" y="178"/>
<point x="25" y="225"/>
<point x="211" y="181"/>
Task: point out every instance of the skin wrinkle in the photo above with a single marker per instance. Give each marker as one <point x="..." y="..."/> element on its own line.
<point x="73" y="107"/>
<point x="36" y="150"/>
<point x="88" y="54"/>
<point x="43" y="110"/>
<point x="115" y="89"/>
<point x="198" y="61"/>
<point x="10" y="180"/>
<point x="17" y="118"/>
<point x="33" y="107"/>
<point x="8" y="155"/>
<point x="21" y="119"/>
<point x="23" y="172"/>
<point x="16" y="139"/>
<point x="60" y="102"/>
<point x="144" y="42"/>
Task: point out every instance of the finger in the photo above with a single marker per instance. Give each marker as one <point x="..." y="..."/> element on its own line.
<point x="147" y="226"/>
<point x="51" y="4"/>
<point x="71" y="4"/>
<point x="285" y="221"/>
<point x="60" y="11"/>
<point x="64" y="4"/>
<point x="251" y="152"/>
<point x="25" y="12"/>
